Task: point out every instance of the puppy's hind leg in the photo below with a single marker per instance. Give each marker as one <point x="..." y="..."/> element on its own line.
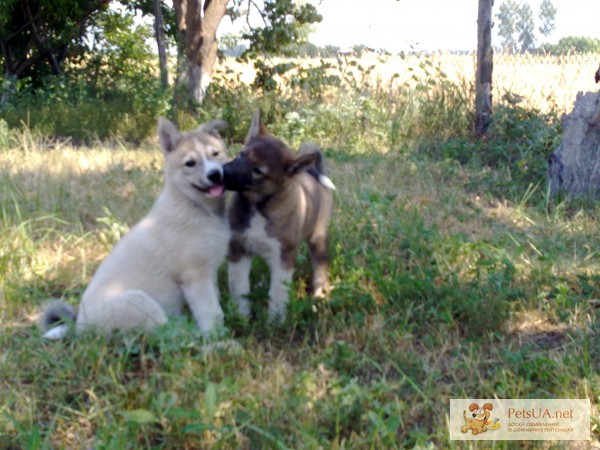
<point x="129" y="310"/>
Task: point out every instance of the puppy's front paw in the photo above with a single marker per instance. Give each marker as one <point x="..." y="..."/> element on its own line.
<point x="209" y="323"/>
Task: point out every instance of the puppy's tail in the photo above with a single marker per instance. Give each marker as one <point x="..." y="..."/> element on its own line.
<point x="57" y="316"/>
<point x="311" y="147"/>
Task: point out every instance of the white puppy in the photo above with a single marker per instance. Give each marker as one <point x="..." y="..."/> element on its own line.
<point x="171" y="257"/>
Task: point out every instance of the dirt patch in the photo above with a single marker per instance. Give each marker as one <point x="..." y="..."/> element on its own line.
<point x="533" y="328"/>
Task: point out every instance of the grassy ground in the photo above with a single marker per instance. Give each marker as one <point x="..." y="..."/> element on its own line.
<point x="448" y="284"/>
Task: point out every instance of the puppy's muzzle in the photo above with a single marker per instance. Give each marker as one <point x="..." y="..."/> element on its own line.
<point x="235" y="177"/>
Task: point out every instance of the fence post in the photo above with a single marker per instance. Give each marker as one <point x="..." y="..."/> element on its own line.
<point x="485" y="61"/>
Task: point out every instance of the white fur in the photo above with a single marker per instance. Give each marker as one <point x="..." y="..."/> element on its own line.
<point x="238" y="277"/>
<point x="210" y="165"/>
<point x="56" y="333"/>
<point x="279" y="294"/>
<point x="169" y="258"/>
<point x="257" y="241"/>
<point x="326" y="181"/>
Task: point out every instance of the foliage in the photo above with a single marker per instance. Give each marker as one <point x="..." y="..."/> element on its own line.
<point x="37" y="36"/>
<point x="285" y="25"/>
<point x="519" y="143"/>
<point x="111" y="92"/>
<point x="107" y="49"/>
<point x="547" y="16"/>
<point x="572" y="44"/>
<point x="146" y="9"/>
<point x="119" y="50"/>
<point x="525" y="28"/>
<point x="507" y="24"/>
<point x="516" y="25"/>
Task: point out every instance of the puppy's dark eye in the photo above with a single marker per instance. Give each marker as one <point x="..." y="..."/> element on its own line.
<point x="190" y="163"/>
<point x="258" y="171"/>
<point x="215" y="153"/>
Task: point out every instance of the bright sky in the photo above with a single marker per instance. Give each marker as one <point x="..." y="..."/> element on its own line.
<point x="432" y="24"/>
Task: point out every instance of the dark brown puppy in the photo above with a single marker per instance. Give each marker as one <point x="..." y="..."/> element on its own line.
<point x="281" y="199"/>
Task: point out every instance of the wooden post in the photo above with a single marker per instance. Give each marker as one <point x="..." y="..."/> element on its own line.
<point x="485" y="61"/>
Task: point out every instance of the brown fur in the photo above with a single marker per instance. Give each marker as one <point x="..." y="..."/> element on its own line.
<point x="280" y="191"/>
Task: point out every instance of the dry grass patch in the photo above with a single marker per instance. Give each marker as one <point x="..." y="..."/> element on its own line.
<point x="545" y="82"/>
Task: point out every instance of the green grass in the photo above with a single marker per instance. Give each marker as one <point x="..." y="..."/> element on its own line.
<point x="442" y="290"/>
<point x="455" y="276"/>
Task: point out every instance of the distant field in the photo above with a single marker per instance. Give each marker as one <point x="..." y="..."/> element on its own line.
<point x="548" y="83"/>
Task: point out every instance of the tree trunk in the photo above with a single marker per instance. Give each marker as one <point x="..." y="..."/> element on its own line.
<point x="575" y="165"/>
<point x="197" y="28"/>
<point x="485" y="60"/>
<point x="160" y="42"/>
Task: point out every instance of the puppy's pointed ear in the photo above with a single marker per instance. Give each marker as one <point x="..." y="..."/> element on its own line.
<point x="168" y="134"/>
<point x="213" y="127"/>
<point x="302" y="162"/>
<point x="257" y="127"/>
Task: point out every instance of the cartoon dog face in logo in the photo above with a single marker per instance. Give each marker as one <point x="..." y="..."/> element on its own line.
<point x="478" y="418"/>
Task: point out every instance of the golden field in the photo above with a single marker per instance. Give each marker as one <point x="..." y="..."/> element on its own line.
<point x="548" y="83"/>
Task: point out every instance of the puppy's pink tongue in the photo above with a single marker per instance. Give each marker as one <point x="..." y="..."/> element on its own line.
<point x="217" y="190"/>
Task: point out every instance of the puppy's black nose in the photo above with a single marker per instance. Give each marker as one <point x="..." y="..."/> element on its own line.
<point x="215" y="176"/>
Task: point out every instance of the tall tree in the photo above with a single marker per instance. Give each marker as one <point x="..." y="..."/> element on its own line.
<point x="516" y="26"/>
<point x="547" y="16"/>
<point x="525" y="28"/>
<point x="197" y="24"/>
<point x="507" y="18"/>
